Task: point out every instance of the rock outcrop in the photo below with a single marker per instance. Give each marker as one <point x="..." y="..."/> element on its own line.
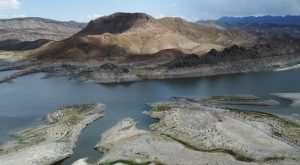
<point x="277" y="48"/>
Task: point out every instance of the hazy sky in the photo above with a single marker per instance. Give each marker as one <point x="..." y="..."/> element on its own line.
<point x="85" y="10"/>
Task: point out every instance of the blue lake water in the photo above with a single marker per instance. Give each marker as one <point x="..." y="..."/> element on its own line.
<point x="24" y="102"/>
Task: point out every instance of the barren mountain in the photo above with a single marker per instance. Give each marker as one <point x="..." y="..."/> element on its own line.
<point x="126" y="47"/>
<point x="138" y="33"/>
<point x="30" y="29"/>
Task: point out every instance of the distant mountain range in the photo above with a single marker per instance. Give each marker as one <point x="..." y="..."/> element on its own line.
<point x="32" y="28"/>
<point x="263" y="26"/>
<point x="32" y="32"/>
<point x="278" y="20"/>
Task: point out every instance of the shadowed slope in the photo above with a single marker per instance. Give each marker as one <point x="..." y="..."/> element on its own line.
<point x="115" y="23"/>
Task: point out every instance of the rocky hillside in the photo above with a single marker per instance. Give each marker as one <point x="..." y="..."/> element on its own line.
<point x="31" y="29"/>
<point x="138" y="33"/>
<point x="12" y="45"/>
<point x="277" y="48"/>
<point x="115" y="23"/>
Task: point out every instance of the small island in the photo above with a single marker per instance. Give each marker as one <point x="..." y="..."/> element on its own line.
<point x="54" y="140"/>
<point x="202" y="134"/>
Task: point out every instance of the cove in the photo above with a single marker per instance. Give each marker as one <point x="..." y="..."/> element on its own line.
<point x="24" y="102"/>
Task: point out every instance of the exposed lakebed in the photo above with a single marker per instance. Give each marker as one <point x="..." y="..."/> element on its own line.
<point x="26" y="101"/>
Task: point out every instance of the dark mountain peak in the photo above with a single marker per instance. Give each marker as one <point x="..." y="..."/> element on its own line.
<point x="128" y="16"/>
<point x="115" y="23"/>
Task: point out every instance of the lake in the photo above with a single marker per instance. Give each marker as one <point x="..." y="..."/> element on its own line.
<point x="24" y="102"/>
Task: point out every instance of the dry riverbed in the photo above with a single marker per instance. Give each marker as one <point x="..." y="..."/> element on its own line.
<point x="54" y="140"/>
<point x="191" y="131"/>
